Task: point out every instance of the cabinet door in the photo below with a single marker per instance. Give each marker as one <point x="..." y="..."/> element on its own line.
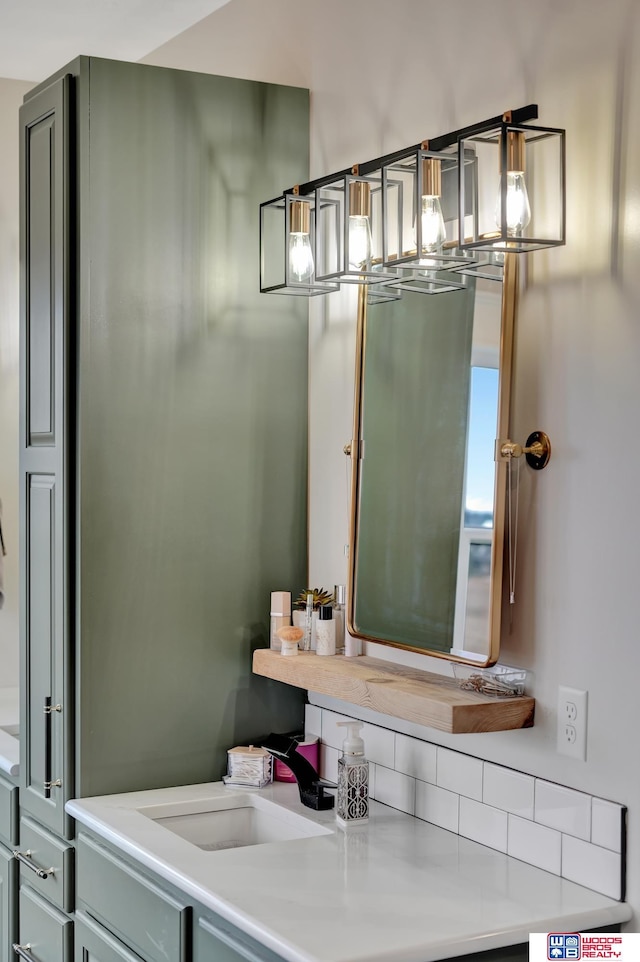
<point x="215" y="940"/>
<point x="8" y="896"/>
<point x="45" y="766"/>
<point x="94" y="944"/>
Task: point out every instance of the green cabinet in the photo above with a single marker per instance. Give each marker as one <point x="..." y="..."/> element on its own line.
<point x="126" y="911"/>
<point x="46" y="934"/>
<point x="93" y="943"/>
<point x="49" y="865"/>
<point x="163" y="478"/>
<point x="45" y="694"/>
<point x="8" y="904"/>
<point x="215" y="940"/>
<point x="132" y="905"/>
<point x="9" y="831"/>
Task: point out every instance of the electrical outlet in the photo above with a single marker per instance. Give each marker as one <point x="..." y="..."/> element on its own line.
<point x="572" y="722"/>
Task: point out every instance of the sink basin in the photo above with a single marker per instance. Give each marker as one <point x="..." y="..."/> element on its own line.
<point x="233" y="822"/>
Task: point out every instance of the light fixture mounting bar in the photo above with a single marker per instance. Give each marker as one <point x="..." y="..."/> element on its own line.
<point x="520" y="116"/>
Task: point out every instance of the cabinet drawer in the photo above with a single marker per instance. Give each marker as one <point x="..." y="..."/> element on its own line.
<point x="46" y="852"/>
<point x="92" y="943"/>
<point x="130" y="905"/>
<point x="44" y="929"/>
<point x="214" y="938"/>
<point x="8" y="813"/>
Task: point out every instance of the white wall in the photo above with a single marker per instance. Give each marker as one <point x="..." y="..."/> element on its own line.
<point x="11" y="94"/>
<point x="386" y="75"/>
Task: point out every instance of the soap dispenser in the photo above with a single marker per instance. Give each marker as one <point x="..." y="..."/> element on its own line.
<point x="352" y="799"/>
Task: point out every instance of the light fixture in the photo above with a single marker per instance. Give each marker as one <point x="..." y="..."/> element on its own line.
<point x="420" y="205"/>
<point x="488" y="265"/>
<point x="300" y="253"/>
<point x="518" y="208"/>
<point x="528" y="212"/>
<point x="382" y="294"/>
<point x="286" y="247"/>
<point x="399" y="221"/>
<point x="426" y="282"/>
<point x="359" y="243"/>
<point x="432" y="229"/>
<point x="349" y="228"/>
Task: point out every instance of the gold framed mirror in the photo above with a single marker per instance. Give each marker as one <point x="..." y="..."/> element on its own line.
<point x="428" y="498"/>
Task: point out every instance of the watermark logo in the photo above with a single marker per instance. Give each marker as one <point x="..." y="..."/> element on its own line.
<point x="564" y="945"/>
<point x="581" y="946"/>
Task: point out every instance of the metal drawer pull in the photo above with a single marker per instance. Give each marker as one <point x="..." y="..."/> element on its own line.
<point x="48" y="784"/>
<point x="25" y="859"/>
<point x="23" y="952"/>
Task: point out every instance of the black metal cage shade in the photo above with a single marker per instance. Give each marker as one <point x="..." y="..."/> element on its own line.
<point x="519" y="187"/>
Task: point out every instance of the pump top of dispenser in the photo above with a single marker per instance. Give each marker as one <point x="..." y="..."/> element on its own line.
<point x="353" y="744"/>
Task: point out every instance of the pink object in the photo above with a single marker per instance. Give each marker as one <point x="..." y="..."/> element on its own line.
<point x="308" y="748"/>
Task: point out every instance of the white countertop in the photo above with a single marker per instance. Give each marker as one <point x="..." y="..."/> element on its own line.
<point x="394" y="890"/>
<point x="9" y="717"/>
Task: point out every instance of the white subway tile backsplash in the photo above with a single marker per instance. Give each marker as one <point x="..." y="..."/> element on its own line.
<point x="607" y="824"/>
<point x="483" y="824"/>
<point x="331" y="734"/>
<point x="313" y="720"/>
<point x="437" y="805"/>
<point x="329" y="762"/>
<point x="395" y="789"/>
<point x="416" y="758"/>
<point x="511" y="791"/>
<point x="372" y="780"/>
<point x="594" y="867"/>
<point x="459" y="773"/>
<point x="379" y="744"/>
<point x="534" y="844"/>
<point x="563" y="831"/>
<point x="563" y="809"/>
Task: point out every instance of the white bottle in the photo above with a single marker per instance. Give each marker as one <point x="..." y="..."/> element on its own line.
<point x="280" y="616"/>
<point x="326" y="632"/>
<point x="352" y="646"/>
<point x="352" y="797"/>
<point x="339" y="602"/>
<point x="308" y="623"/>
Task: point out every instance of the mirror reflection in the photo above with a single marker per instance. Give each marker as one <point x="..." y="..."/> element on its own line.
<point x="427" y="529"/>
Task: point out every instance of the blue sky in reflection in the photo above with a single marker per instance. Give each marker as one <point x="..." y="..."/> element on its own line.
<point x="481" y="439"/>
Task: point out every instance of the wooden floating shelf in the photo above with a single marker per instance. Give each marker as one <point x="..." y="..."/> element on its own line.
<point x="417" y="696"/>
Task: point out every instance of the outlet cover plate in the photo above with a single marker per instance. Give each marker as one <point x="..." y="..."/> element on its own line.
<point x="572" y="722"/>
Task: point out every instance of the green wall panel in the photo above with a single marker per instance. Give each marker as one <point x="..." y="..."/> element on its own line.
<point x="192" y="419"/>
